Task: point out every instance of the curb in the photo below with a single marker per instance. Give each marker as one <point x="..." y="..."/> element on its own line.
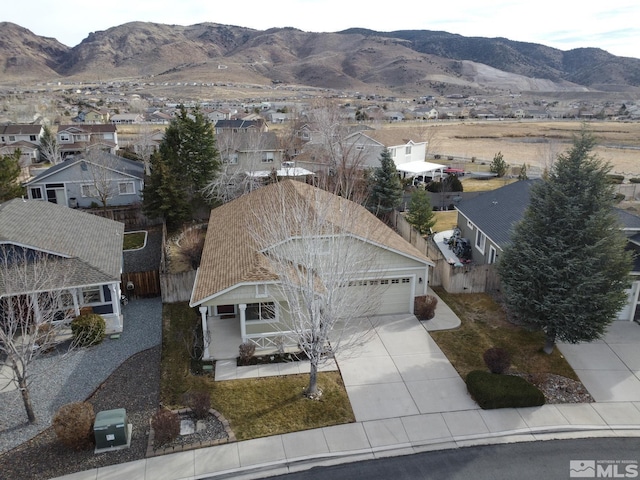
<point x="461" y="441"/>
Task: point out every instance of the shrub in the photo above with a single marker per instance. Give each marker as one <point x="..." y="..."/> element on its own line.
<point x="73" y="425"/>
<point x="425" y="307"/>
<point x="247" y="350"/>
<point x="497" y="359"/>
<point x="88" y="329"/>
<point x="166" y="426"/>
<point x="199" y="402"/>
<point x="491" y="391"/>
<point x="615" y="179"/>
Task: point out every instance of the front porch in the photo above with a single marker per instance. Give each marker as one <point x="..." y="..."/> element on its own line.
<point x="227" y="332"/>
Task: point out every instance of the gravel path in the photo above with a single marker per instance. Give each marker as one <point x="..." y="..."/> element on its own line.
<point x="60" y="379"/>
<point x="147" y="258"/>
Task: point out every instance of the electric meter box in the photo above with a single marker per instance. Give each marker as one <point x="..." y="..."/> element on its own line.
<point x="111" y="428"/>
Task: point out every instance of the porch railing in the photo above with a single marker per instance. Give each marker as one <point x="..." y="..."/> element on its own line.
<point x="272" y="341"/>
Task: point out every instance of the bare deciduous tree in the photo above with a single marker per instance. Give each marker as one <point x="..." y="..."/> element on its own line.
<point x="34" y="311"/>
<point x="328" y="275"/>
<point x="98" y="170"/>
<point x="344" y="160"/>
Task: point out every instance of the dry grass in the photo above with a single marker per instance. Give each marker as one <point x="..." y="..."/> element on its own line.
<point x="254" y="407"/>
<point x="445" y="220"/>
<point x="484" y="185"/>
<point x="533" y="142"/>
<point x="484" y="325"/>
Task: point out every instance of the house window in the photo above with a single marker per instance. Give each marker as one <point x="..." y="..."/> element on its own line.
<point x="265" y="311"/>
<point x="64" y="137"/>
<point x="88" y="190"/>
<point x="225" y="310"/>
<point x="12" y="138"/>
<point x="480" y="240"/>
<point x="407" y="150"/>
<point x="492" y="255"/>
<point x="126" y="188"/>
<point x="231" y="159"/>
<point x="360" y="148"/>
<point x="395" y="281"/>
<point x="36" y="193"/>
<point x="470" y="225"/>
<point x="91" y="295"/>
<point x="33" y="138"/>
<point x="406" y="280"/>
<point x="267" y="157"/>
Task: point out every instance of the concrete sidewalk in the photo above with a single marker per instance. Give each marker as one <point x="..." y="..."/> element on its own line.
<point x="407" y="398"/>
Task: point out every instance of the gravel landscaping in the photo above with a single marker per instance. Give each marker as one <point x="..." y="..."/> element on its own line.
<point x="59" y="379"/>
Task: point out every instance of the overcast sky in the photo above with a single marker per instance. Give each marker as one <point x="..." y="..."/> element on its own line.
<point x="613" y="25"/>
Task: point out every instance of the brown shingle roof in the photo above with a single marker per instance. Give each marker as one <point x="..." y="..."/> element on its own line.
<point x="231" y="257"/>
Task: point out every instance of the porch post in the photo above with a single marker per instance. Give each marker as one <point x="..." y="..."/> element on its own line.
<point x="205" y="333"/>
<point x="243" y="321"/>
<point x="115" y="302"/>
<point x="76" y="305"/>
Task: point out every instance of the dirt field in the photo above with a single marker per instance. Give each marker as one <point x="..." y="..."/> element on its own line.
<point x="534" y="143"/>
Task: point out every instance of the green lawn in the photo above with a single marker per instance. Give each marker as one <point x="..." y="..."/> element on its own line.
<point x="134" y="240"/>
<point x="484" y="325"/>
<point x="254" y="407"/>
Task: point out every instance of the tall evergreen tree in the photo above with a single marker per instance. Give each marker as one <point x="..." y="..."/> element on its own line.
<point x="386" y="189"/>
<point x="9" y="173"/>
<point x="188" y="160"/>
<point x="421" y="214"/>
<point x="566" y="269"/>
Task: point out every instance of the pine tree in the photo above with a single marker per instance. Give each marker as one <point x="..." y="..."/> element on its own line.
<point x="498" y="165"/>
<point x="421" y="214"/>
<point x="566" y="269"/>
<point x="9" y="173"/>
<point x="188" y="160"/>
<point x="386" y="189"/>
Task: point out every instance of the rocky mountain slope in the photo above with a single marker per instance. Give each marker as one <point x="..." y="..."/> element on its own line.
<point x="355" y="59"/>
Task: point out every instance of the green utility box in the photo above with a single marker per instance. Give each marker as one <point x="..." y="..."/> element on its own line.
<point x="111" y="428"/>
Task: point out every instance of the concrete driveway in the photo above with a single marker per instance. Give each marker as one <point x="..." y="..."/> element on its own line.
<point x="400" y="371"/>
<point x="609" y="368"/>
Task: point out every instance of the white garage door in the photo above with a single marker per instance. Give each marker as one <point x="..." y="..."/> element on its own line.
<point x="395" y="293"/>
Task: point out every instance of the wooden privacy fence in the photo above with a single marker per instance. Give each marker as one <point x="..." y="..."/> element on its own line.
<point x="145" y="284"/>
<point x="176" y="287"/>
<point x="464" y="279"/>
<point x="130" y="215"/>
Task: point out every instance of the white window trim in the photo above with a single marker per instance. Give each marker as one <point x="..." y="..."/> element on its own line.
<point x="470" y="225"/>
<point x="480" y="242"/>
<point x="91" y="189"/>
<point x="261" y="291"/>
<point x="101" y="293"/>
<point x="492" y="255"/>
<point x="133" y="188"/>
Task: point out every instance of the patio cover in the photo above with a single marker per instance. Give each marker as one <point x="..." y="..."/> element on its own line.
<point x="282" y="172"/>
<point x="419" y="167"/>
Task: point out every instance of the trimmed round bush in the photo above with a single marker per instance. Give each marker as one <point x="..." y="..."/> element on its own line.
<point x="491" y="390"/>
<point x="497" y="359"/>
<point x="425" y="307"/>
<point x="73" y="424"/>
<point x="88" y="329"/>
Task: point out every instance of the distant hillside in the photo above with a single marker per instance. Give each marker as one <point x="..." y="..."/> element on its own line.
<point x="355" y="59"/>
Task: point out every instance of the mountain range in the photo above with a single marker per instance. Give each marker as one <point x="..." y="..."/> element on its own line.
<point x="405" y="61"/>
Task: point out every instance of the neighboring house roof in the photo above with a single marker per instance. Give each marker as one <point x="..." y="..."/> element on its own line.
<point x="231" y="257"/>
<point x="116" y="163"/>
<point x="92" y="245"/>
<point x="390" y="137"/>
<point x="496" y="212"/>
<point x="20" y="129"/>
<point x="93" y="128"/>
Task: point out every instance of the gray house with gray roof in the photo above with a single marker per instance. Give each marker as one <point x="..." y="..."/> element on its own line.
<point x="86" y="248"/>
<point x="488" y="219"/>
<point x="90" y="179"/>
